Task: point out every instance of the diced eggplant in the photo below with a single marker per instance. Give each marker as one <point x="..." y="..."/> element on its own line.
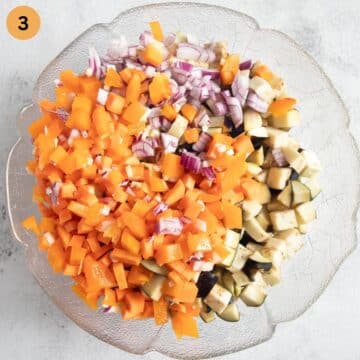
<point x="294" y="175"/>
<point x="301" y="193"/>
<point x="313" y="166"/>
<point x="260" y="132"/>
<point x="276" y="206"/>
<point x="303" y="228"/>
<point x="255" y="230"/>
<point x="246" y="238"/>
<point x="153" y="267"/>
<point x="257" y="142"/>
<point x="218" y="298"/>
<point x="277" y="138"/>
<point x="285" y="197"/>
<point x="208" y="317"/>
<point x="257" y="156"/>
<point x="292" y="239"/>
<point x="312" y="184"/>
<point x="289" y="120"/>
<point x="241" y="279"/>
<point x="294" y="158"/>
<point x="257" y="261"/>
<point x="253" y="295"/>
<point x="305" y="213"/>
<point x="231" y="313"/>
<point x="250" y="208"/>
<point x="228" y="282"/>
<point x="283" y="220"/>
<point x="277" y="244"/>
<point x="240" y="258"/>
<point x="272" y="277"/>
<point x="205" y="283"/>
<point x="252" y="120"/>
<point x="262" y="194"/>
<point x="293" y="144"/>
<point x="277" y="177"/>
<point x="256" y="276"/>
<point x="268" y="160"/>
<point x="216" y="121"/>
<point x="263" y="218"/>
<point x="253" y="246"/>
<point x="253" y="169"/>
<point x="274" y="256"/>
<point x="230" y="258"/>
<point x="215" y="130"/>
<point x="153" y="288"/>
<point x="262" y="176"/>
<point x="232" y="239"/>
<point x="262" y="88"/>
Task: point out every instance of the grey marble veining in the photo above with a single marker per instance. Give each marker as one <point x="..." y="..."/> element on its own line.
<point x="31" y="327"/>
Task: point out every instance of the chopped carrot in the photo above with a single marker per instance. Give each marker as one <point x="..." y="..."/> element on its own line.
<point x="160" y="312"/>
<point x="191" y="135"/>
<point x="189" y="111"/>
<point x="156" y="30"/>
<point x="31" y="224"/>
<point x="281" y="107"/>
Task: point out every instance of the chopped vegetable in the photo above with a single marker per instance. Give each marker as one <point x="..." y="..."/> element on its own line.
<point x="167" y="182"/>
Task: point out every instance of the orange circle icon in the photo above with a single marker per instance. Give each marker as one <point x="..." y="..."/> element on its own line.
<point x="23" y="22"/>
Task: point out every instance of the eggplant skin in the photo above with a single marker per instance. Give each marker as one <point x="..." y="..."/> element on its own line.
<point x="251" y="264"/>
<point x="205" y="283"/>
<point x="294" y="175"/>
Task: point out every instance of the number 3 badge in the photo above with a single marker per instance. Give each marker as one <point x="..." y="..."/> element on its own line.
<point x="23" y="22"/>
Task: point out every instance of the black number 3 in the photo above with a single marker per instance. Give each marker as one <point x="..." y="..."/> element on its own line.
<point x="24" y="23"/>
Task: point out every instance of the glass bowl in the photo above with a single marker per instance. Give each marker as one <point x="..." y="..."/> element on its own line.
<point x="324" y="129"/>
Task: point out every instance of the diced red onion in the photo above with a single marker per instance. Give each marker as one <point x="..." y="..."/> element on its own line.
<point x="155" y="122"/>
<point x="174" y="87"/>
<point x="61" y="113"/>
<point x="132" y="64"/>
<point x="245" y="65"/>
<point x="53" y="191"/>
<point x="190" y="162"/>
<point x="125" y="182"/>
<point x="202" y="142"/>
<point x="192" y="39"/>
<point x="196" y="73"/>
<point x="181" y="76"/>
<point x="159" y="208"/>
<point x="165" y="124"/>
<point x="169" y="226"/>
<point x="102" y="96"/>
<point x="169" y="142"/>
<point x="199" y="265"/>
<point x="164" y="66"/>
<point x="226" y="93"/>
<point x="94" y="68"/>
<point x="195" y="92"/>
<point x="132" y="51"/>
<point x="169" y="39"/>
<point x="215" y="87"/>
<point x="195" y="103"/>
<point x="218" y="107"/>
<point x="150" y="71"/>
<point x="235" y="110"/>
<point x="58" y="82"/>
<point x="118" y="48"/>
<point x="179" y="103"/>
<point x="279" y="157"/>
<point x="142" y="149"/>
<point x="188" y="51"/>
<point x="106" y="309"/>
<point x="146" y="38"/>
<point x="213" y="73"/>
<point x="208" y="172"/>
<point x="184" y="66"/>
<point x="154" y="112"/>
<point x="240" y="86"/>
<point x="202" y="118"/>
<point x="254" y="102"/>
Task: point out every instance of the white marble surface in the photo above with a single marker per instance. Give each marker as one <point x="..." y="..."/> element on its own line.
<point x="31" y="327"/>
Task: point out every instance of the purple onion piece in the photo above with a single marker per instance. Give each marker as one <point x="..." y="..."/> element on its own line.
<point x="254" y="102"/>
<point x="146" y="38"/>
<point x="245" y="65"/>
<point x="202" y="142"/>
<point x="169" y="142"/>
<point x="240" y="86"/>
<point x="208" y="172"/>
<point x="235" y="110"/>
<point x="202" y="118"/>
<point x="190" y="162"/>
<point x="169" y="226"/>
<point x="143" y="149"/>
<point x="188" y="51"/>
<point x="159" y="208"/>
